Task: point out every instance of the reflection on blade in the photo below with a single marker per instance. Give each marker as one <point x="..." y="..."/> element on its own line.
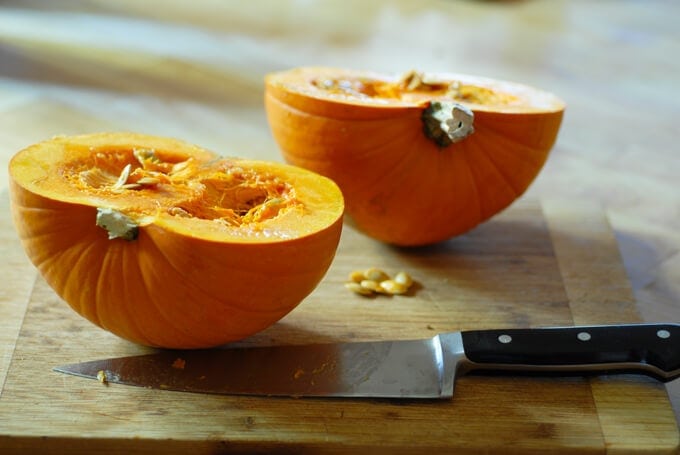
<point x="403" y="369"/>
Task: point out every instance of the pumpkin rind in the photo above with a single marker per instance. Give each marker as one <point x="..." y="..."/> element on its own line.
<point x="181" y="282"/>
<point x="400" y="186"/>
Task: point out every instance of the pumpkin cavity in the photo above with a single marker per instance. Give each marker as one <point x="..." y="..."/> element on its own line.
<point x="413" y="87"/>
<point x="238" y="197"/>
<point x="219" y="190"/>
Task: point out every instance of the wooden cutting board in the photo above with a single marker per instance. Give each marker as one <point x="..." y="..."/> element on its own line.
<point x="533" y="265"/>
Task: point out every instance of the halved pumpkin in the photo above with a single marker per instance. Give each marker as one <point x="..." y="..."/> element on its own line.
<point x="419" y="158"/>
<point x="166" y="244"/>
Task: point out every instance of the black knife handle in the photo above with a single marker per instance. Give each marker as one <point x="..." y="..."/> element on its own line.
<point x="652" y="349"/>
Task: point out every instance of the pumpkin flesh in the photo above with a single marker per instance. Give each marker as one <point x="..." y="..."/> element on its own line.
<point x="366" y="132"/>
<point x="224" y="247"/>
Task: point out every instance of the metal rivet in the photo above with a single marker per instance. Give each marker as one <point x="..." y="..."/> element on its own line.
<point x="583" y="336"/>
<point x="505" y="339"/>
<point x="663" y="334"/>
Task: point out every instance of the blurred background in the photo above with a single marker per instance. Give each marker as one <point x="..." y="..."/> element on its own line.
<point x="194" y="70"/>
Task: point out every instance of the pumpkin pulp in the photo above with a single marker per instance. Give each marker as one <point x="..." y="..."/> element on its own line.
<point x="221" y="191"/>
<point x="217" y="196"/>
<point x="413" y="87"/>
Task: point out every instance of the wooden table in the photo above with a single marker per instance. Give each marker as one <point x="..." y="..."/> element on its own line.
<point x="187" y="70"/>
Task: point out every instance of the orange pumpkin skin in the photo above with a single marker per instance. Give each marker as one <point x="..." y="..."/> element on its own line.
<point x="181" y="283"/>
<point x="399" y="185"/>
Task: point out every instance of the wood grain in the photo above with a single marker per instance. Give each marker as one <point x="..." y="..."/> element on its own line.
<point x="507" y="273"/>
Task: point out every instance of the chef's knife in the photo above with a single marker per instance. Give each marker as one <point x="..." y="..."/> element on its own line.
<point x="398" y="369"/>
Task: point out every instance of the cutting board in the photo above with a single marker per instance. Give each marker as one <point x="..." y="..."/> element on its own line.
<point x="533" y="265"/>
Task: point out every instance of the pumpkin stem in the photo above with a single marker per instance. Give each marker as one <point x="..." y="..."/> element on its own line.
<point x="446" y="122"/>
<point x="117" y="224"/>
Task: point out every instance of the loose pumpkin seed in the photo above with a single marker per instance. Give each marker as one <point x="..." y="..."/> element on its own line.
<point x="101" y="377"/>
<point x="403" y="278"/>
<point x="375" y="274"/>
<point x="356" y="276"/>
<point x="392" y="287"/>
<point x="358" y="289"/>
<point x="375" y="280"/>
<point x="371" y="285"/>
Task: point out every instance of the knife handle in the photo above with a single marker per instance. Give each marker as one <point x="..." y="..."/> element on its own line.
<point x="652" y="349"/>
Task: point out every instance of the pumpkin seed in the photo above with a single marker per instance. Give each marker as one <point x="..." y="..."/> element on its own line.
<point x="122" y="178"/>
<point x="392" y="287"/>
<point x="179" y="167"/>
<point x="358" y="289"/>
<point x="371" y="285"/>
<point x="179" y="211"/>
<point x="148" y="181"/>
<point x="375" y="274"/>
<point x="130" y="186"/>
<point x="411" y="80"/>
<point x="356" y="276"/>
<point x="403" y="278"/>
<point x="96" y="178"/>
<point x="143" y="155"/>
<point x="101" y="377"/>
<point x="375" y="280"/>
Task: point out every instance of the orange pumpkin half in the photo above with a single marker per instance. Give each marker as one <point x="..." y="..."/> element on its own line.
<point x="166" y="244"/>
<point x="419" y="158"/>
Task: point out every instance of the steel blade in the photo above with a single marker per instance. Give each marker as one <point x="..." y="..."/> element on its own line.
<point x="388" y="369"/>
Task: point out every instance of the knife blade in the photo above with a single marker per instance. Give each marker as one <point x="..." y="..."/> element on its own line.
<point x="423" y="368"/>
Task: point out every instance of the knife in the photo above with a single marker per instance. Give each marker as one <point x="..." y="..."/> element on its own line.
<point x="411" y="369"/>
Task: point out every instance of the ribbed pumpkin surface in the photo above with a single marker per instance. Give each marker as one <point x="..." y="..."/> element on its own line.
<point x="366" y="131"/>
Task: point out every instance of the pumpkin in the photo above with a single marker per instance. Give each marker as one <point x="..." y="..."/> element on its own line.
<point x="166" y="244"/>
<point x="419" y="158"/>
